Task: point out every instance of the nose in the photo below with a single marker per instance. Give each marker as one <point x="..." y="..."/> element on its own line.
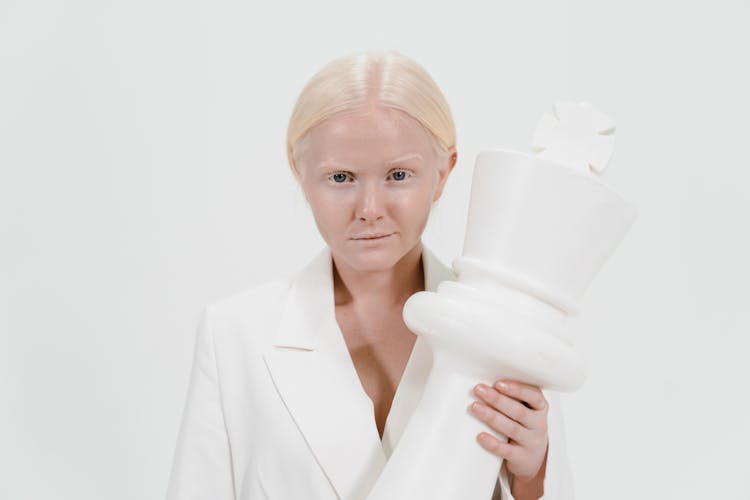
<point x="370" y="203"/>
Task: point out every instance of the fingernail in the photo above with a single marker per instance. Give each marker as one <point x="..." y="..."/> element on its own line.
<point x="481" y="389"/>
<point x="484" y="439"/>
<point x="480" y="409"/>
<point x="501" y="385"/>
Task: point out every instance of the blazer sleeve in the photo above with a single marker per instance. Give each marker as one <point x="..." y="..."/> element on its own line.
<point x="558" y="477"/>
<point x="202" y="465"/>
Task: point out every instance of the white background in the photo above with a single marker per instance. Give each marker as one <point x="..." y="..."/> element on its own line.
<point x="143" y="175"/>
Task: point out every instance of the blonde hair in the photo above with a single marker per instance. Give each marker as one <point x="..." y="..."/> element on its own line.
<point x="351" y="82"/>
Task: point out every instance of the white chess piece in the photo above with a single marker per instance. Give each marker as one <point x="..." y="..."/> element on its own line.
<point x="577" y="136"/>
<point x="539" y="229"/>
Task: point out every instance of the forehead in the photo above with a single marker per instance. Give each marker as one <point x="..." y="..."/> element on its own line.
<point x="373" y="136"/>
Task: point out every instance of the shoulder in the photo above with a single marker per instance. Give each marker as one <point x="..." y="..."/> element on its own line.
<point x="253" y="314"/>
<point x="257" y="297"/>
<point x="249" y="315"/>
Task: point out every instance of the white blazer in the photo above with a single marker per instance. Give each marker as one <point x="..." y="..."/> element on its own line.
<point x="275" y="408"/>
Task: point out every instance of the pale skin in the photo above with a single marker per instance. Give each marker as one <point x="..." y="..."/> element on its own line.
<point x="375" y="172"/>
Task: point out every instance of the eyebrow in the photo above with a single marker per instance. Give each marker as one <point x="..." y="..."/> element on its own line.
<point x="404" y="158"/>
<point x="400" y="159"/>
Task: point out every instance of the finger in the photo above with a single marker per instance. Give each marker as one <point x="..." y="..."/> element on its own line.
<point x="502" y="423"/>
<point x="507" y="451"/>
<point x="511" y="407"/>
<point x="531" y="395"/>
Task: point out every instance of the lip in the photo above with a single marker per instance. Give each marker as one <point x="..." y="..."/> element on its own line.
<point x="372" y="237"/>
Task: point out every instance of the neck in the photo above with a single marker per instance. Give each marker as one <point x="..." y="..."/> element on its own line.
<point x="387" y="288"/>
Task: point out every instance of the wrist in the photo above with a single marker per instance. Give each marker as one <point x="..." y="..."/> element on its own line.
<point x="527" y="487"/>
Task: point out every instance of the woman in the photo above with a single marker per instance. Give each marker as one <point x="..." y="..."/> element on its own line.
<point x="293" y="378"/>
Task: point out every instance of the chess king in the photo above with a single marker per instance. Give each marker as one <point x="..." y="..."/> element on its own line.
<point x="540" y="227"/>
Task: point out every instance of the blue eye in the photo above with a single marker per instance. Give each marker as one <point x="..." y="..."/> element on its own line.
<point x="400" y="175"/>
<point x="338" y="177"/>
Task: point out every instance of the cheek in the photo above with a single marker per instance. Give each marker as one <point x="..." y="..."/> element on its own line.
<point x="414" y="207"/>
<point x="328" y="212"/>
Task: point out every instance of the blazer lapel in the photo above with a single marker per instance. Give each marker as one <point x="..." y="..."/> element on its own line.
<point x="313" y="372"/>
<point x="315" y="376"/>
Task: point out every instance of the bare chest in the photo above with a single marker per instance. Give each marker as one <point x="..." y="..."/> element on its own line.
<point x="380" y="348"/>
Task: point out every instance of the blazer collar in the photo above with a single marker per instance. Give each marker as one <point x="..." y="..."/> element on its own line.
<point x="310" y="301"/>
<point x="315" y="376"/>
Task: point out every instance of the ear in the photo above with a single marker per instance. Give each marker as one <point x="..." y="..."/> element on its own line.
<point x="443" y="171"/>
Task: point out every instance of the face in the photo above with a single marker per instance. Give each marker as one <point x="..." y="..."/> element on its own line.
<point x="370" y="174"/>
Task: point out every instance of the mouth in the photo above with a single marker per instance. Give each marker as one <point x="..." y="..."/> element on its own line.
<point x="372" y="237"/>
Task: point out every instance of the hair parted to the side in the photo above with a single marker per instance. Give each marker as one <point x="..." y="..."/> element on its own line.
<point x="354" y="81"/>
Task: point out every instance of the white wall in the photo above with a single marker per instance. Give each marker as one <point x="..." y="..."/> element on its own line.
<point x="143" y="174"/>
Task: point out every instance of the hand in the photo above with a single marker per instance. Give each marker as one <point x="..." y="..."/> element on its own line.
<point x="518" y="411"/>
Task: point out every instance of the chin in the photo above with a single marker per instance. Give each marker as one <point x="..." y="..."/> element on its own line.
<point x="370" y="260"/>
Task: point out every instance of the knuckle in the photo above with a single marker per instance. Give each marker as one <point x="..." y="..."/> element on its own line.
<point x="508" y="404"/>
<point x="520" y="412"/>
<point x="495" y="420"/>
<point x="541" y="402"/>
<point x="543" y="440"/>
<point x="514" y="430"/>
<point x="509" y="452"/>
<point x="500" y="399"/>
<point x="491" y="443"/>
<point x="537" y="436"/>
<point x="531" y="397"/>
